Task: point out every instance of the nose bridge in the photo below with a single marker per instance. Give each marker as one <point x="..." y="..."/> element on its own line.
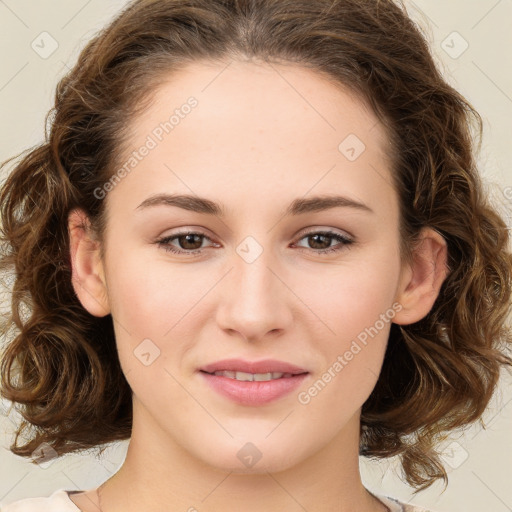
<point x="252" y="275"/>
<point x="255" y="301"/>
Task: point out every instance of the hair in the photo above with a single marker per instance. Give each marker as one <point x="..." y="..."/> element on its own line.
<point x="60" y="366"/>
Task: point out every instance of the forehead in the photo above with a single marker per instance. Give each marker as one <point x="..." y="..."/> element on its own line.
<point x="263" y="98"/>
<point x="258" y="129"/>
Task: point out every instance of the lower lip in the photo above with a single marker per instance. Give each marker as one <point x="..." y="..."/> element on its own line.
<point x="253" y="392"/>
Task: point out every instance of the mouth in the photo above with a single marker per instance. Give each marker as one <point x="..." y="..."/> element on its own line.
<point x="232" y="367"/>
<point x="253" y="383"/>
<point x="253" y="377"/>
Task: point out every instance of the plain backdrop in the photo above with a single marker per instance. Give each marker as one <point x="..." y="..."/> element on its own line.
<point x="471" y="40"/>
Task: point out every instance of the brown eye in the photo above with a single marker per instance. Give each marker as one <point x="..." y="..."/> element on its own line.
<point x="320" y="242"/>
<point x="187" y="243"/>
<point x="190" y="241"/>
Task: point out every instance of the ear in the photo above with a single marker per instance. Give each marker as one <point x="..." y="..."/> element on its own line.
<point x="88" y="276"/>
<point x="422" y="278"/>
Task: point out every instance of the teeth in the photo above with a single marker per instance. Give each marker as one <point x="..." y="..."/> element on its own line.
<point x="252" y="376"/>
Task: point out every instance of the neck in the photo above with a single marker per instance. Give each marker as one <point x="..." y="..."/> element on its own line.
<point x="159" y="474"/>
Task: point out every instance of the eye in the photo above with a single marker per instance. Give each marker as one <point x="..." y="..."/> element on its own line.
<point x="322" y="241"/>
<point x="190" y="242"/>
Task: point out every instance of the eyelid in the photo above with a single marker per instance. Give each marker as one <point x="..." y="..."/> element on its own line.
<point x="344" y="241"/>
<point x="310" y="230"/>
<point x="324" y="229"/>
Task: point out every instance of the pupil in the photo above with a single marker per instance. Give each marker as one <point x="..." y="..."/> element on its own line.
<point x="187" y="241"/>
<point x="325" y="237"/>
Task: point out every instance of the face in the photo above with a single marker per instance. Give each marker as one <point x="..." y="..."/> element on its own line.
<point x="267" y="276"/>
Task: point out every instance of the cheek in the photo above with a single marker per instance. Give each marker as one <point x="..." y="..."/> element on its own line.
<point x="352" y="356"/>
<point x="356" y="308"/>
<point x="150" y="295"/>
<point x="152" y="309"/>
<point x="352" y="296"/>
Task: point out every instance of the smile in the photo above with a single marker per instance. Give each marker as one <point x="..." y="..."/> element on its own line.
<point x="253" y="389"/>
<point x="244" y="376"/>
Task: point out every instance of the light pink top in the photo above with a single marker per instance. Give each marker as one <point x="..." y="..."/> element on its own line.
<point x="59" y="501"/>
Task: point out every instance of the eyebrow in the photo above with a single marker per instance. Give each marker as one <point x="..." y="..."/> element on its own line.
<point x="297" y="207"/>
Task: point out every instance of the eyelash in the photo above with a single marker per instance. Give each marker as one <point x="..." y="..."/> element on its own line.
<point x="345" y="242"/>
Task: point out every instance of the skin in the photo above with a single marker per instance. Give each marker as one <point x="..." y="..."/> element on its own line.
<point x="261" y="136"/>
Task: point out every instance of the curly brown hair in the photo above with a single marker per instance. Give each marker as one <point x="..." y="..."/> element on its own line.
<point x="60" y="365"/>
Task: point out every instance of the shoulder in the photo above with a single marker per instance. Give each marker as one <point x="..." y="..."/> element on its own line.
<point x="395" y="505"/>
<point x="58" y="502"/>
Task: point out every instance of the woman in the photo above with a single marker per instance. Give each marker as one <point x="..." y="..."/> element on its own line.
<point x="255" y="244"/>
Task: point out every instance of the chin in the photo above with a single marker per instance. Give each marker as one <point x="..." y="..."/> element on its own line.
<point x="260" y="456"/>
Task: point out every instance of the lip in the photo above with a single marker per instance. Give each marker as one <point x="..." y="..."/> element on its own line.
<point x="253" y="393"/>
<point x="264" y="366"/>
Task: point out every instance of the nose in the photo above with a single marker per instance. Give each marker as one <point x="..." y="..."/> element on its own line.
<point x="255" y="301"/>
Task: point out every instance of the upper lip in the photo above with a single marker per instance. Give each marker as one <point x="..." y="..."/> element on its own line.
<point x="264" y="366"/>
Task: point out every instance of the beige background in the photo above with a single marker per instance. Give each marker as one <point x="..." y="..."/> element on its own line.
<point x="479" y="462"/>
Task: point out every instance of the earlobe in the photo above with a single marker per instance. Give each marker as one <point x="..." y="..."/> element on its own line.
<point x="87" y="268"/>
<point x="422" y="278"/>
